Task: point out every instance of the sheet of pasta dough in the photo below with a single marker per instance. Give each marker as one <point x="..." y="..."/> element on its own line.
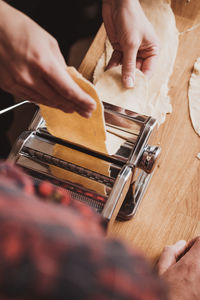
<point x="157" y="102"/>
<point x="194" y="96"/>
<point x="110" y="88"/>
<point x="89" y="133"/>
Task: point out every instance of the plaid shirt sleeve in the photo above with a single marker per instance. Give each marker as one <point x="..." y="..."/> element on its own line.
<point x="50" y="251"/>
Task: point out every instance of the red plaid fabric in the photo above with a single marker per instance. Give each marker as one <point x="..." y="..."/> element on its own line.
<point x="59" y="251"/>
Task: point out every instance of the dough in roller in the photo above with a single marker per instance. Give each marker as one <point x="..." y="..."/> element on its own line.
<point x="82" y="160"/>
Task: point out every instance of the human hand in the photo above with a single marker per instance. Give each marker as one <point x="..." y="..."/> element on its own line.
<point x="179" y="265"/>
<point x="33" y="68"/>
<point x="132" y="36"/>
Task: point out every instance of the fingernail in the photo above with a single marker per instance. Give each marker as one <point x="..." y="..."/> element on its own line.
<point x="128" y="82"/>
<point x="91" y="106"/>
<point x="87" y="115"/>
<point x="180" y="243"/>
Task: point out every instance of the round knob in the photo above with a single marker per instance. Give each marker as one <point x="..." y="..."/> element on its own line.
<point x="148" y="158"/>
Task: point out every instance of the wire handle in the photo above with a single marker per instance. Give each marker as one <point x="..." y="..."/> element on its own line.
<point x="13" y="106"/>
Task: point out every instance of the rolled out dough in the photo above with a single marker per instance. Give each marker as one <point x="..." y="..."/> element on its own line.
<point x="157" y="102"/>
<point x="110" y="89"/>
<point x="194" y="96"/>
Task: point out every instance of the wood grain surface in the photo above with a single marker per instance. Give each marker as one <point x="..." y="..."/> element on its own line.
<point x="170" y="209"/>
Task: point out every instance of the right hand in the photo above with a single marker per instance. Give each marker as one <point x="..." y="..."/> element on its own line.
<point x="132" y="36"/>
<point x="179" y="265"/>
<point x="33" y="68"/>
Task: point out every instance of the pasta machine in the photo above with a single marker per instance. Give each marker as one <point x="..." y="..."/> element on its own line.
<point x="112" y="184"/>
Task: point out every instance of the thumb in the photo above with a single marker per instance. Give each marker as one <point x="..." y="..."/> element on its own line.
<point x="169" y="256"/>
<point x="129" y="66"/>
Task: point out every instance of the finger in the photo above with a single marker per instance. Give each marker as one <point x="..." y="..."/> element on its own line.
<point x="62" y="82"/>
<point x="47" y="95"/>
<point x="148" y="65"/>
<point x="56" y="100"/>
<point x="192" y="251"/>
<point x="28" y="85"/>
<point x="115" y="60"/>
<point x="28" y="94"/>
<point x="169" y="256"/>
<point x="129" y="66"/>
<point x="139" y="63"/>
<point x="192" y="242"/>
<point x="31" y="87"/>
<point x="187" y="248"/>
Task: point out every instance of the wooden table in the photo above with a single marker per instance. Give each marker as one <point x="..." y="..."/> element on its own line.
<point x="170" y="209"/>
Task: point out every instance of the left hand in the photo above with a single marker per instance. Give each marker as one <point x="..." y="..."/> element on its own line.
<point x="179" y="265"/>
<point x="132" y="36"/>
